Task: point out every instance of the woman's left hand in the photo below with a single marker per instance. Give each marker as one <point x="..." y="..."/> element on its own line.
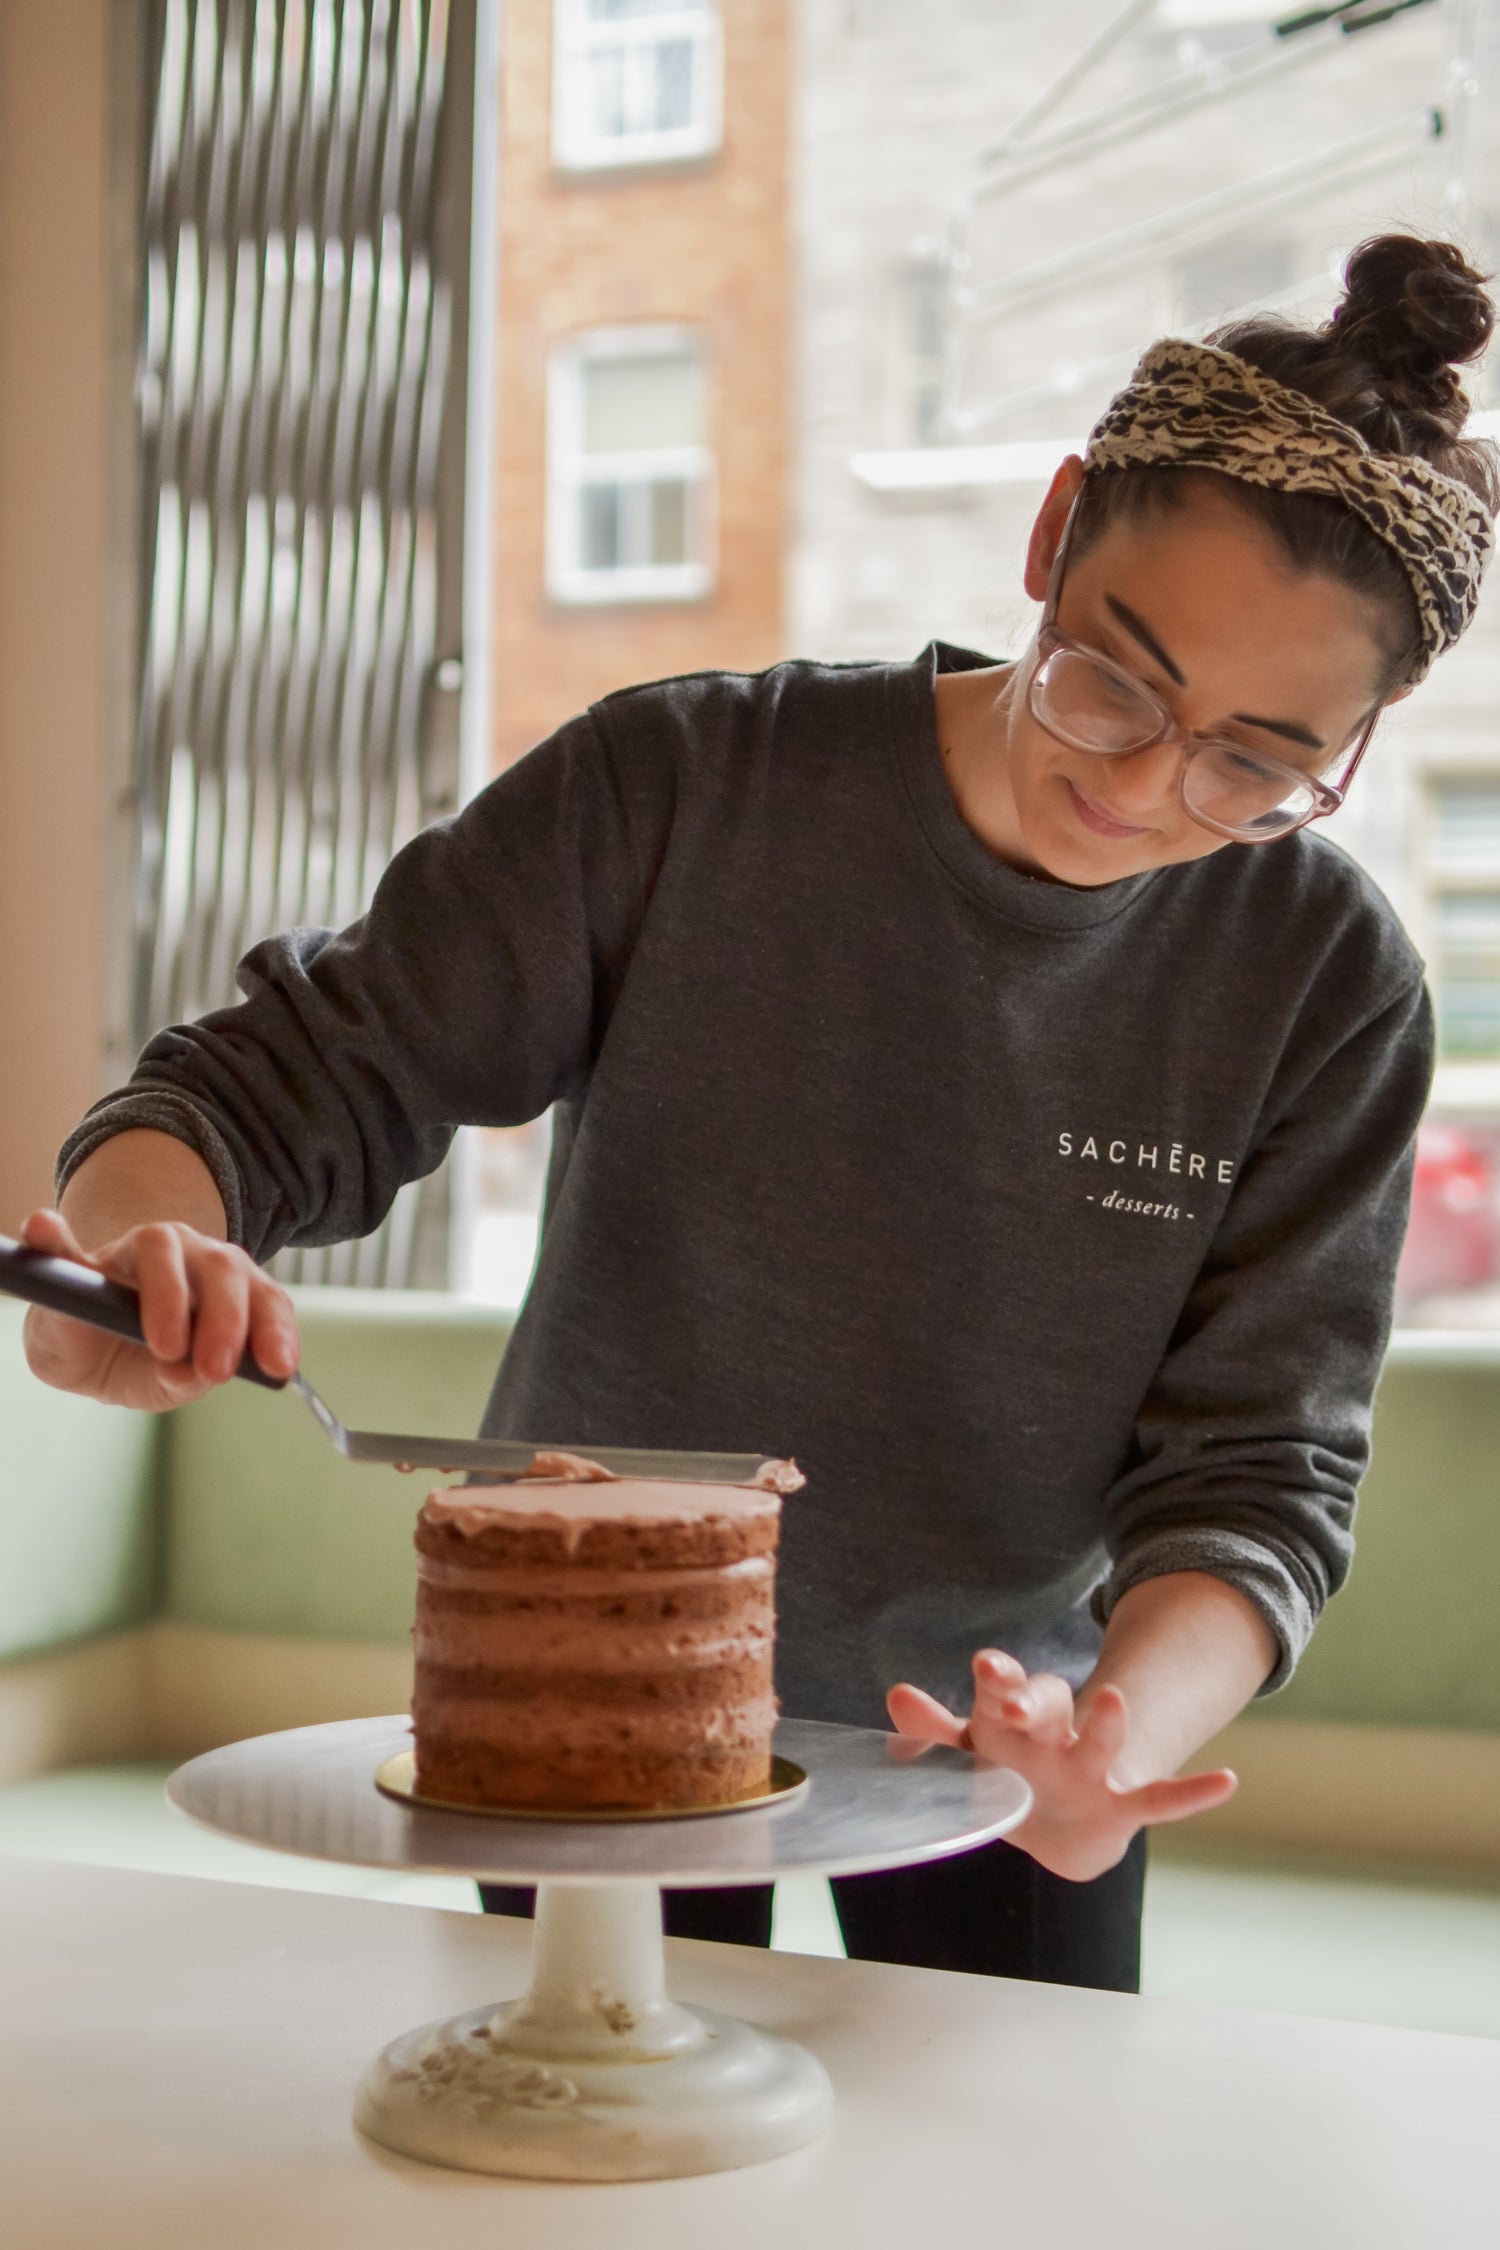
<point x="1084" y="1815"/>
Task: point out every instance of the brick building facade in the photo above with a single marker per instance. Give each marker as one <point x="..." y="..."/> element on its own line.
<point x="657" y="246"/>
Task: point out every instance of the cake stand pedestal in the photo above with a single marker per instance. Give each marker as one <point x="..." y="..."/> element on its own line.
<point x="595" y="2073"/>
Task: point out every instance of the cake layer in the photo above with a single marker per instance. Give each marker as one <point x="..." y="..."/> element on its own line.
<point x="706" y="1688"/>
<point x="475" y="1773"/>
<point x="599" y="1621"/>
<point x="531" y="1723"/>
<point x="517" y="1640"/>
<point x="478" y="1579"/>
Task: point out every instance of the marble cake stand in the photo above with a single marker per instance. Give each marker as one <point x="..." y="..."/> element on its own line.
<point x="595" y="2073"/>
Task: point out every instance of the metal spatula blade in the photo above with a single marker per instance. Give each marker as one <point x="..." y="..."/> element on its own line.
<point x="64" y="1286"/>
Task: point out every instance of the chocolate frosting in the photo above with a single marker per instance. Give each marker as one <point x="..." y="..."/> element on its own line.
<point x="573" y="1503"/>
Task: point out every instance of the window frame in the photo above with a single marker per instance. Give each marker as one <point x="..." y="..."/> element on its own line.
<point x="576" y="37"/>
<point x="569" y="581"/>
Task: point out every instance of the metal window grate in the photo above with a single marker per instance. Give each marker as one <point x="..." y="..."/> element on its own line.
<point x="297" y="345"/>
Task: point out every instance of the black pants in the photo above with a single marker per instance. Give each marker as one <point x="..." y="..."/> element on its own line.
<point x="992" y="1912"/>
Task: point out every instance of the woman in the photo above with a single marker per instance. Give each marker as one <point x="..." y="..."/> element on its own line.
<point x="977" y="1080"/>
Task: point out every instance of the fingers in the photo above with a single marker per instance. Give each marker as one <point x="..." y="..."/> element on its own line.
<point x="49" y="1231"/>
<point x="916" y="1713"/>
<point x="993" y="1668"/>
<point x="1039" y="1706"/>
<point x="152" y="1260"/>
<point x="273" y="1339"/>
<point x="214" y="1302"/>
<point x="222" y="1324"/>
<point x="203" y="1302"/>
<point x="1179" y="1798"/>
<point x="1101" y="1737"/>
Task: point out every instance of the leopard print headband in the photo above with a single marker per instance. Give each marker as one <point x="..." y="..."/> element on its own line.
<point x="1194" y="406"/>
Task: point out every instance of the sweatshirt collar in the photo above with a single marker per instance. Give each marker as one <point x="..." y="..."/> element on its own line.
<point x="1029" y="899"/>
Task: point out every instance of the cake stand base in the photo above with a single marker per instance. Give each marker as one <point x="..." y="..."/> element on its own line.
<point x="595" y="2074"/>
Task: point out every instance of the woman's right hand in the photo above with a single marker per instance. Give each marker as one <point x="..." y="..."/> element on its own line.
<point x="202" y="1302"/>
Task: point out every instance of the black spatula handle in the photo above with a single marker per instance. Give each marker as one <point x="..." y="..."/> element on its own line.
<point x="64" y="1286"/>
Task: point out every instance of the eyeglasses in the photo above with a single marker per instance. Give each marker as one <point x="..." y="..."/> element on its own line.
<point x="1084" y="700"/>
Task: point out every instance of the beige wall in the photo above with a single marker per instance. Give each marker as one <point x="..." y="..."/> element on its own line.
<point x="59" y="601"/>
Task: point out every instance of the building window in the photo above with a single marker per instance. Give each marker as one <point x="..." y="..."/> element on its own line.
<point x="1466" y="827"/>
<point x="1468" y="975"/>
<point x="922" y="320"/>
<point x="1465" y="851"/>
<point x="630" y="513"/>
<point x="636" y="81"/>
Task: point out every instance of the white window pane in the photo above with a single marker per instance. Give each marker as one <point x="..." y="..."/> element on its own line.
<point x="1469" y="1019"/>
<point x="635" y="404"/>
<point x="1468" y="974"/>
<point x="640" y="90"/>
<point x="669" y="521"/>
<point x="606" y="95"/>
<point x="1467" y="823"/>
<point x="618" y="11"/>
<point x="1469" y="918"/>
<point x="599" y="541"/>
<point x="674" y="86"/>
<point x="635" y="543"/>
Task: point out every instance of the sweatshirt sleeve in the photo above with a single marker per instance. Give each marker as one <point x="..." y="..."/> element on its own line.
<point x="475" y="991"/>
<point x="1251" y="1442"/>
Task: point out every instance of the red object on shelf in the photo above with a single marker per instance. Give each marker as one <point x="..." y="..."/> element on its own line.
<point x="1453" y="1241"/>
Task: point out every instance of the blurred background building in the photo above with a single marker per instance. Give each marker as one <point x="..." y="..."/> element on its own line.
<point x="443" y="395"/>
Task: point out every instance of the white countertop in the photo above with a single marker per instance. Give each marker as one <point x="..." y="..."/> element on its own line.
<point x="178" y="2059"/>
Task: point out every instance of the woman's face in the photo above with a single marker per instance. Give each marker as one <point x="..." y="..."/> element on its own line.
<point x="1201" y="607"/>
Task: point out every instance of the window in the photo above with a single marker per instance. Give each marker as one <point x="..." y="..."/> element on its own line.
<point x="630" y="514"/>
<point x="1466" y="827"/>
<point x="1468" y="975"/>
<point x="1465" y="857"/>
<point x="636" y="81"/>
<point x="923" y="283"/>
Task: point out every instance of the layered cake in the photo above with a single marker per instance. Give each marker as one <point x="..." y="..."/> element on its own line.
<point x="587" y="1641"/>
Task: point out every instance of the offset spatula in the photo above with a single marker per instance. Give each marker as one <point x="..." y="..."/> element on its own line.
<point x="64" y="1286"/>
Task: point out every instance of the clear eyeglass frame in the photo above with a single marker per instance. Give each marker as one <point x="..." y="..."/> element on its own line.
<point x="1327" y="796"/>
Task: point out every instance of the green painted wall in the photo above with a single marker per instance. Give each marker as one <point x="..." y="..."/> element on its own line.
<point x="269" y="1530"/>
<point x="79" y="1530"/>
<point x="1413" y="1640"/>
<point x="264" y="1529"/>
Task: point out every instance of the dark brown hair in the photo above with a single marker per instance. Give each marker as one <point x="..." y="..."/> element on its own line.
<point x="1386" y="363"/>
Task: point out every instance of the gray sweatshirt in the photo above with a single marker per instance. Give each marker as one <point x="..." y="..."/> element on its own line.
<point x="1051" y="1230"/>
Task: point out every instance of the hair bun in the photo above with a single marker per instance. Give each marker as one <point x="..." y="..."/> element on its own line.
<point x="1412" y="311"/>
